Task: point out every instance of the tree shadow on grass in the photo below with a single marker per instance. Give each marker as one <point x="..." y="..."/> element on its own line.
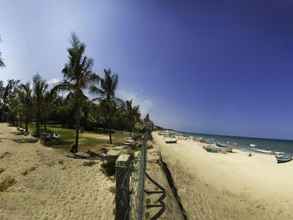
<point x="26" y="140"/>
<point x="60" y="144"/>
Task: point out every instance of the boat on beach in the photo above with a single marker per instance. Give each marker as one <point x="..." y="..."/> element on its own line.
<point x="222" y="145"/>
<point x="227" y="147"/>
<point x="257" y="150"/>
<point x="283" y="158"/>
<point x="171" y="140"/>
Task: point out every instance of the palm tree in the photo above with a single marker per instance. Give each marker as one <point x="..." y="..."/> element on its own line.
<point x="148" y="123"/>
<point x="78" y="75"/>
<point x="132" y="114"/>
<point x="9" y="100"/>
<point x="1" y="61"/>
<point x="48" y="100"/>
<point x="39" y="89"/>
<point x="106" y="91"/>
<point x="26" y="100"/>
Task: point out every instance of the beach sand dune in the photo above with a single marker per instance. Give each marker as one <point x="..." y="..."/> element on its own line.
<point x="38" y="182"/>
<point x="228" y="186"/>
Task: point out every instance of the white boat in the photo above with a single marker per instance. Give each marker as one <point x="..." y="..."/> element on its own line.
<point x="262" y="151"/>
<point x="170" y="140"/>
<point x="252" y="145"/>
<point x="283" y="158"/>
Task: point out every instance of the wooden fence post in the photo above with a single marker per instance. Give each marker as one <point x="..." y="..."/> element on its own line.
<point x="122" y="198"/>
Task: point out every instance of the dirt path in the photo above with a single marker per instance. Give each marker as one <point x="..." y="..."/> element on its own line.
<point x="37" y="182"/>
<point x="172" y="211"/>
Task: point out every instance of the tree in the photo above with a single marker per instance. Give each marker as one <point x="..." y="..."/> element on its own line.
<point x="26" y="100"/>
<point x="78" y="75"/>
<point x="132" y="114"/>
<point x="148" y="123"/>
<point x="106" y="91"/>
<point x="1" y="61"/>
<point x="48" y="100"/>
<point x="7" y="95"/>
<point x="39" y="89"/>
<point x="2" y="110"/>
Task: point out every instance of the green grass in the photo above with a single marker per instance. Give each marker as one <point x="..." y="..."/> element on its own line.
<point x="86" y="142"/>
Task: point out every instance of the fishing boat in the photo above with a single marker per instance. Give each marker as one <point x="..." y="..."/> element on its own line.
<point x="222" y="145"/>
<point x="171" y="140"/>
<point x="227" y="147"/>
<point x="283" y="158"/>
<point x="262" y="151"/>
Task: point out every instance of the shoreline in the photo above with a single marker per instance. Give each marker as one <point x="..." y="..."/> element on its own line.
<point x="232" y="186"/>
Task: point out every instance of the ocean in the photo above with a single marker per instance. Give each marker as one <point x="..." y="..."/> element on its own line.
<point x="274" y="145"/>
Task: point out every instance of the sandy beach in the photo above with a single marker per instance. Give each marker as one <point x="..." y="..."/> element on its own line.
<point x="228" y="186"/>
<point x="39" y="182"/>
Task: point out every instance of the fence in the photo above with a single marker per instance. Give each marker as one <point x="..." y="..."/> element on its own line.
<point x="130" y="179"/>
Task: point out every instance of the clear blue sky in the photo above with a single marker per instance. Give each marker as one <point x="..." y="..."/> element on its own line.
<point x="205" y="66"/>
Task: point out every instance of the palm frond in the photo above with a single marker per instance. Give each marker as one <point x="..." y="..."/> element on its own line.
<point x="96" y="90"/>
<point x="1" y="62"/>
<point x="63" y="86"/>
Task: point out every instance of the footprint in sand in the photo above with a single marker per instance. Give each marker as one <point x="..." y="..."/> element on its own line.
<point x="29" y="170"/>
<point x="5" y="154"/>
<point x="6" y="183"/>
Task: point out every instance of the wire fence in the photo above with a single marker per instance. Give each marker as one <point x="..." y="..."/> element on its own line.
<point x="137" y="181"/>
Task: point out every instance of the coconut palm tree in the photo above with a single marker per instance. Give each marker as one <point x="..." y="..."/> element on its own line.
<point x="1" y="61"/>
<point x="26" y="100"/>
<point x="77" y="76"/>
<point x="40" y="87"/>
<point x="48" y="99"/>
<point x="132" y="113"/>
<point x="9" y="100"/>
<point x="148" y="123"/>
<point x="106" y="90"/>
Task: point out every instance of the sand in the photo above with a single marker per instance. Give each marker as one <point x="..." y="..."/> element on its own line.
<point x="172" y="210"/>
<point x="228" y="186"/>
<point x="38" y="182"/>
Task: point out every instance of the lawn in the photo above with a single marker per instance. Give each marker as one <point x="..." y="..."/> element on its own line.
<point x="87" y="140"/>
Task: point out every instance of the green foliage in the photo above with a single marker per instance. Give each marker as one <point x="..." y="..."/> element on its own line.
<point x="106" y="90"/>
<point x="40" y="88"/>
<point x="108" y="168"/>
<point x="1" y="61"/>
<point x="78" y="75"/>
<point x="67" y="104"/>
<point x="26" y="102"/>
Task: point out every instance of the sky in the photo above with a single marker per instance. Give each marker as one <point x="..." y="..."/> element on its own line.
<point x="210" y="66"/>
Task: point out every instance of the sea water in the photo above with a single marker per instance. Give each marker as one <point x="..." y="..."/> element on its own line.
<point x="274" y="145"/>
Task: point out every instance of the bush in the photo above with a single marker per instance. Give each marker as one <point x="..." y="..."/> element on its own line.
<point x="109" y="168"/>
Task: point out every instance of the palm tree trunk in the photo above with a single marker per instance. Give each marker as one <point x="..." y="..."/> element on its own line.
<point x="38" y="118"/>
<point x="74" y="148"/>
<point x="110" y="135"/>
<point x="109" y="121"/>
<point x="45" y="122"/>
<point x="26" y="123"/>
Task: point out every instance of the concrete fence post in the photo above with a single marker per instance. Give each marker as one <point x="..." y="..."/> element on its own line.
<point x="122" y="198"/>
